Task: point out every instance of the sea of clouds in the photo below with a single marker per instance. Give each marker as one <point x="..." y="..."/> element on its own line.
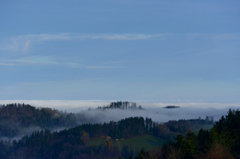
<point x="152" y="110"/>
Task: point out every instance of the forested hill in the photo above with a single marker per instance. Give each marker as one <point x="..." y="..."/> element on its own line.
<point x="73" y="143"/>
<point x="221" y="142"/>
<point x="14" y="117"/>
<point x="76" y="142"/>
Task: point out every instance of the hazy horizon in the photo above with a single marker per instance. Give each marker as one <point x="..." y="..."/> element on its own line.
<point x="68" y="104"/>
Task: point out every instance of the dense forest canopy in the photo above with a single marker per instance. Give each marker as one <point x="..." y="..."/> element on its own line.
<point x="222" y="141"/>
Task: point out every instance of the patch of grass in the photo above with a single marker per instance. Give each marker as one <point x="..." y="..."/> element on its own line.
<point x="96" y="142"/>
<point x="204" y="127"/>
<point x="207" y="127"/>
<point x="147" y="142"/>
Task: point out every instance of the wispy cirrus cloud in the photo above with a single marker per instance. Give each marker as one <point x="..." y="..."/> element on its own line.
<point x="24" y="42"/>
<point x="122" y="36"/>
<point x="33" y="60"/>
<point x="6" y="64"/>
<point x="114" y="62"/>
<point x="100" y="67"/>
<point x="80" y="65"/>
<point x="50" y="60"/>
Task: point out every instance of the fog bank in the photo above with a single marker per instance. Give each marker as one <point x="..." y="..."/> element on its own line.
<point x="152" y="110"/>
<point x="157" y="114"/>
<point x="78" y="105"/>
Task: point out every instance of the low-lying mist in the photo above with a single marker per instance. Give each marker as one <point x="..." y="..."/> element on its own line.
<point x="159" y="115"/>
<point x="93" y="115"/>
<point x="22" y="131"/>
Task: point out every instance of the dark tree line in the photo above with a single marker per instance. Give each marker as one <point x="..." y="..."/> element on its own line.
<point x="169" y="130"/>
<point x="72" y="143"/>
<point x="221" y="142"/>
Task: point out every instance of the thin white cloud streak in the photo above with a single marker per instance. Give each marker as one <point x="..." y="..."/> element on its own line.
<point x="114" y="62"/>
<point x="78" y="65"/>
<point x="100" y="67"/>
<point x="73" y="65"/>
<point x="34" y="60"/>
<point x="72" y="36"/>
<point x="49" y="60"/>
<point x="24" y="42"/>
<point x="7" y="64"/>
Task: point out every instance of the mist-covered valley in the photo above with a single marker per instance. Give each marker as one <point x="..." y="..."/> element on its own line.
<point x="151" y="109"/>
<point x="13" y="128"/>
<point x="159" y="115"/>
<point x="105" y="131"/>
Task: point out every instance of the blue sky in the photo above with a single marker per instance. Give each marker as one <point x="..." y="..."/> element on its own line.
<point x="166" y="51"/>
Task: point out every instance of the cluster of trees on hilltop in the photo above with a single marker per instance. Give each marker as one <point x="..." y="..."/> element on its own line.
<point x="222" y="142"/>
<point x="120" y="105"/>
